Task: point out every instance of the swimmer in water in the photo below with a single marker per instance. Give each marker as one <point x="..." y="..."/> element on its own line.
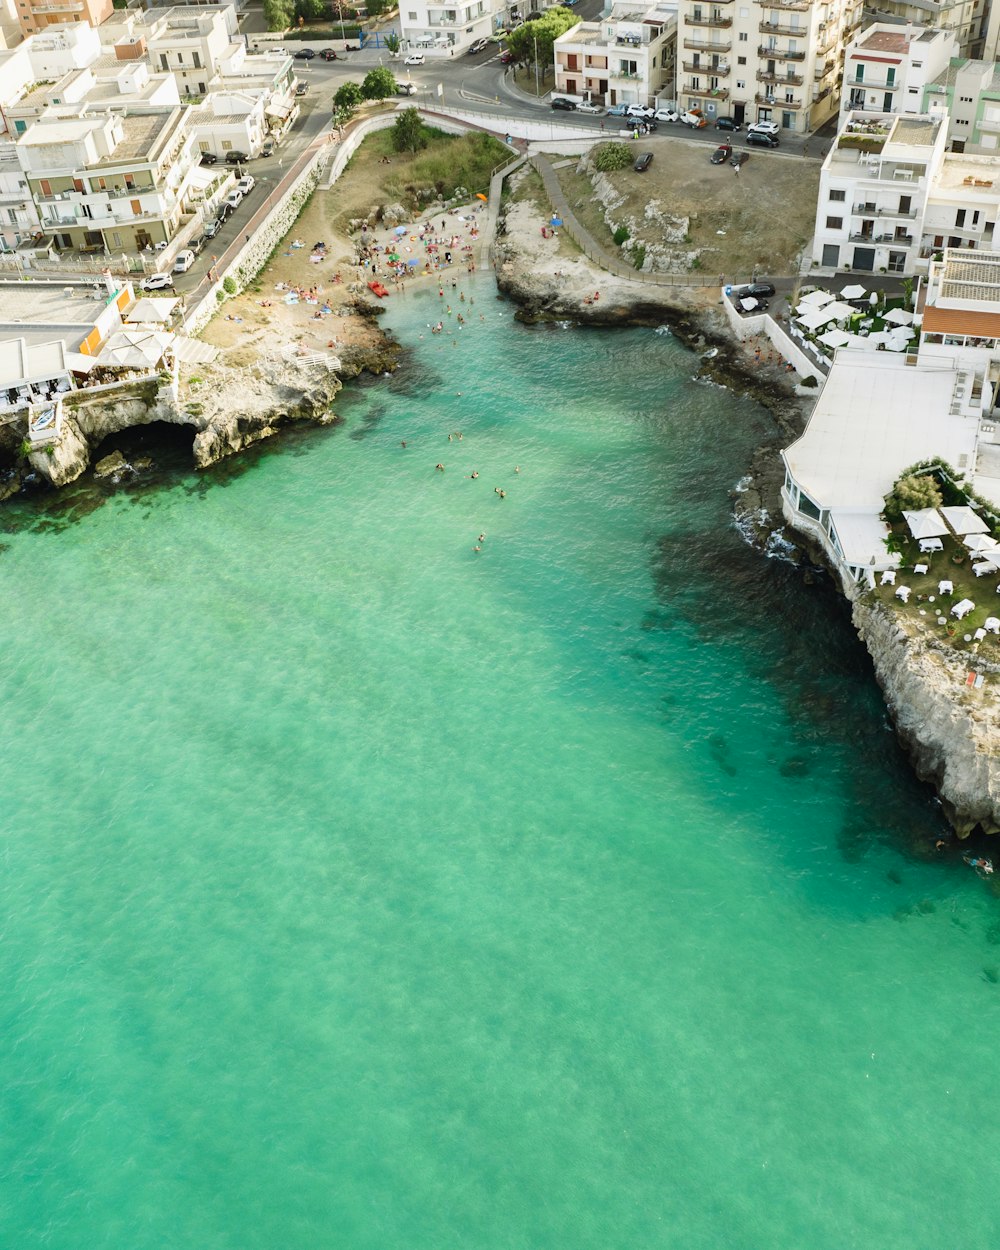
<point x="477" y="548"/>
<point x="482" y="538"/>
<point x="517" y="468"/>
<point x="403" y="443"/>
<point x="440" y="467"/>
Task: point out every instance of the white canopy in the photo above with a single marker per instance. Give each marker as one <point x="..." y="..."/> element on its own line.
<point x="748" y="305"/>
<point x="151" y="309"/>
<point x="964" y="521"/>
<point x="840" y="310"/>
<point x="814" y="320"/>
<point x="861" y="343"/>
<point x="835" y="338"/>
<point x="898" y="317"/>
<point x="927" y="523"/>
<point x="134" y="349"/>
<point x="853" y="292"/>
<point x="818" y="298"/>
<point x="981" y="542"/>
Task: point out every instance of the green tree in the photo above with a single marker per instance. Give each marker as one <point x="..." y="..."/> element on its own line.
<point x="347" y="99"/>
<point x="379" y="83"/>
<point x="611" y="156"/>
<point x="408" y="132"/>
<point x="278" y="14"/>
<point x="911" y="494"/>
<point x="532" y="43"/>
<point x="391" y="43"/>
<point x="377" y="7"/>
<point x="312" y="10"/>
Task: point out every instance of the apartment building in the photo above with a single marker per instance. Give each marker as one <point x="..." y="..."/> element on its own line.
<point x="444" y="29"/>
<point x="887" y="68"/>
<point x="37" y="15"/>
<point x="764" y="61"/>
<point x="873" y="192"/>
<point x="626" y="58"/>
<point x="968" y="94"/>
<point x="970" y="21"/>
<point x="117" y="182"/>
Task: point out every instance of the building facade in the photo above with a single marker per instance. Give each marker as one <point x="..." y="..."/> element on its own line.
<point x="887" y="68"/>
<point x="35" y="15"/>
<point x="626" y="58"/>
<point x="443" y="29"/>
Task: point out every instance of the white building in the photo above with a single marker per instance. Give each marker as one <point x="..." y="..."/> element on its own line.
<point x="876" y="415"/>
<point x="445" y="29"/>
<point x="628" y="57"/>
<point x="971" y="21"/>
<point x="873" y="192"/>
<point x="886" y="68"/>
<point x="764" y="61"/>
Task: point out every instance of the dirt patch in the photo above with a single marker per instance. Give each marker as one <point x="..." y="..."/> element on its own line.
<point x="685" y="214"/>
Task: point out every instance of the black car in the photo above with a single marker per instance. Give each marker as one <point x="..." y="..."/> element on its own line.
<point x="756" y="290"/>
<point x="643" y="162"/>
<point x="726" y="123"/>
<point x="722" y="153"/>
<point x="304" y="54"/>
<point x="567" y="105"/>
<point x="328" y="54"/>
<point x="758" y="140"/>
<point x="236" y="158"/>
<point x="209" y="158"/>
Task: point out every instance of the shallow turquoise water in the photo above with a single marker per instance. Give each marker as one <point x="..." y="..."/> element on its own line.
<point x="361" y="890"/>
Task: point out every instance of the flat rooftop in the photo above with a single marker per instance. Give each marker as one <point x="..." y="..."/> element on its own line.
<point x="971" y="276"/>
<point x="141" y="132"/>
<point x="916" y="132"/>
<point x="886" y="41"/>
<point x="48" y="306"/>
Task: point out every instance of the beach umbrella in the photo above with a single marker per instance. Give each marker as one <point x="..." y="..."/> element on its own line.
<point x="480" y="196"/>
<point x="835" y="338"/>
<point x="400" y="230"/>
<point x="817" y="298"/>
<point x="981" y="542"/>
<point x="854" y="292"/>
<point x="555" y="221"/>
<point x="925" y="523"/>
<point x="898" y="317"/>
<point x="394" y="256"/>
<point x="839" y="311"/>
<point x="412" y="264"/>
<point x="964" y="521"/>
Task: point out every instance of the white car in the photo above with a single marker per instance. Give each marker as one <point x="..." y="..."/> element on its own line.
<point x="246" y="184"/>
<point x="639" y="110"/>
<point x="184" y="261"/>
<point x="234" y="199"/>
<point x="667" y="115"/>
<point x="764" y="128"/>
<point x="589" y="107"/>
<point x="415" y="58"/>
<point x="158" y="282"/>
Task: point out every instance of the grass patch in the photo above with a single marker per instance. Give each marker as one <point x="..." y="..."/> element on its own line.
<point x="579" y="192"/>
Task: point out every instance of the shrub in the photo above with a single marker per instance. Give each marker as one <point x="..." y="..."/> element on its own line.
<point x="620" y="235"/>
<point x="611" y="156"/>
<point x="911" y="494"/>
<point x="810" y="381"/>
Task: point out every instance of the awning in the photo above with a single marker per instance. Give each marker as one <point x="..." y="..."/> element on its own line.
<point x="77" y="362"/>
<point x="926" y="523"/>
<point x="278" y="110"/>
<point x="964" y="521"/>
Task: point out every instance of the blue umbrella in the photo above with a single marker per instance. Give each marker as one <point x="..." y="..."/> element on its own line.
<point x="401" y="230"/>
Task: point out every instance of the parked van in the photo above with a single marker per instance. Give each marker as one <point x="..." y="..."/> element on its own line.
<point x="184" y="261"/>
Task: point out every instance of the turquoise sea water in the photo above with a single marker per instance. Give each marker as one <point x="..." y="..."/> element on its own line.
<point x="360" y="890"/>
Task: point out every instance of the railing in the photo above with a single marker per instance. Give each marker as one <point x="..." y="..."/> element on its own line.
<point x="770" y="101"/>
<point x="869" y="210"/>
<point x="796" y="6"/>
<point x="697" y="67"/>
<point x="716" y="19"/>
<point x="793" y="80"/>
<point x="708" y="93"/>
<point x="906" y="240"/>
<point x="777" y="54"/>
<point x="624" y="73"/>
<point x="778" y="28"/>
<point x="873" y="86"/>
<point x="701" y="45"/>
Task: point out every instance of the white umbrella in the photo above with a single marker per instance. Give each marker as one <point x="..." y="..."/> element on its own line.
<point x="151" y="310"/>
<point x="853" y="292"/>
<point x="860" y="343"/>
<point x="964" y="521"/>
<point x="748" y="305"/>
<point x="926" y="523"/>
<point x="813" y="320"/>
<point x="818" y="298"/>
<point x="981" y="542"/>
<point x="899" y="317"/>
<point x="835" y="338"/>
<point x="840" y="310"/>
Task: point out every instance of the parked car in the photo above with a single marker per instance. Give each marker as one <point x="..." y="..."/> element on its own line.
<point x="763" y="128"/>
<point x="617" y="110"/>
<point x="305" y="54"/>
<point x="747" y="304"/>
<point x="667" y="115"/>
<point x="236" y="158"/>
<point x="184" y="261"/>
<point x="694" y="118"/>
<point x="328" y="54"/>
<point x="406" y="88"/>
<point x="246" y="184"/>
<point x="267" y="148"/>
<point x="415" y="58"/>
<point x="233" y="200"/>
<point x="480" y="45"/>
<point x="560" y="102"/>
<point x="301" y="88"/>
<point x="506" y="57"/>
<point x="212" y="229"/>
<point x="739" y="159"/>
<point x="158" y="282"/>
<point x="726" y="123"/>
<point x="643" y="162"/>
<point x="209" y="158"/>
<point x="755" y="290"/>
<point x="722" y="154"/>
<point x="640" y="111"/>
<point x="588" y="106"/>
<point x="757" y="139"/>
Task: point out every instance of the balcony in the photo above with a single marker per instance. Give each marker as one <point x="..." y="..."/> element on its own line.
<point x="795" y="6"/>
<point x="70" y="6"/>
<point x="629" y="74"/>
<point x="702" y="45"/>
<point x="707" y="93"/>
<point x="772" y="101"/>
<point x="873" y="86"/>
<point x="883" y="239"/>
<point x="778" y="28"/>
<point x="698" y="67"/>
<point x="779" y="80"/>
<point x="776" y="54"/>
<point x="869" y="210"/>
<point x="715" y="19"/>
<point x="821" y="71"/>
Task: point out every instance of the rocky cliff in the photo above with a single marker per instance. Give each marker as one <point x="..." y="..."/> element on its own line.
<point x="950" y="729"/>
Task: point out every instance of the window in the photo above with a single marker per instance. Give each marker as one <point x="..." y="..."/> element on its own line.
<point x="859" y="73"/>
<point x="741" y="60"/>
<point x="960" y="217"/>
<point x="838" y="197"/>
<point x="412" y="17"/>
<point x="912" y="90"/>
<point x="743" y="36"/>
<point x="834" y="223"/>
<point x="741" y="84"/>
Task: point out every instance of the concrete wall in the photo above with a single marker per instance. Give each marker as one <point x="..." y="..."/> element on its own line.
<point x="761" y="323"/>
